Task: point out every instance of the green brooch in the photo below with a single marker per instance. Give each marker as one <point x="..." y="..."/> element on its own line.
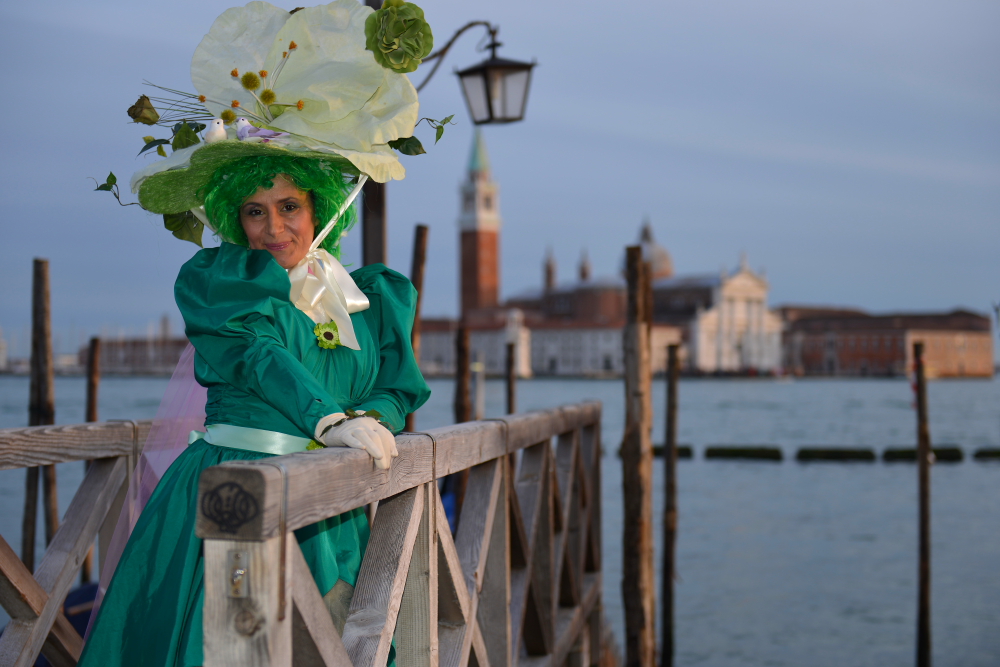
<point x="327" y="335"/>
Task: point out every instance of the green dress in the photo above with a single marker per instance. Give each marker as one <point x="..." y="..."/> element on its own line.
<point x="259" y="358"/>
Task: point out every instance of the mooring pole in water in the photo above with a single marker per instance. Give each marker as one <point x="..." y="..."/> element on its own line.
<point x="41" y="411"/>
<point x="638" y="580"/>
<point x="924" y="485"/>
<point x="670" y="509"/>
<point x="417" y="278"/>
<point x="511" y="376"/>
<point x="93" y="384"/>
<point x="463" y="407"/>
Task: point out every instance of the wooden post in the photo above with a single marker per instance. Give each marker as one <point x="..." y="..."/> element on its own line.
<point x="463" y="376"/>
<point x="511" y="398"/>
<point x="638" y="579"/>
<point x="670" y="509"/>
<point x="511" y="379"/>
<point x="373" y="216"/>
<point x="417" y="278"/>
<point x="41" y="411"/>
<point x="93" y="377"/>
<point x="93" y="383"/>
<point x="924" y="485"/>
<point x="458" y="481"/>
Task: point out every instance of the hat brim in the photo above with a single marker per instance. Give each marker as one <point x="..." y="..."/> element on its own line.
<point x="180" y="189"/>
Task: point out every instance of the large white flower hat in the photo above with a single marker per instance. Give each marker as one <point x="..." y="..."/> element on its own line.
<point x="306" y="74"/>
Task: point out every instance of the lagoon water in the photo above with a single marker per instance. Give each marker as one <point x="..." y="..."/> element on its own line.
<point x="778" y="563"/>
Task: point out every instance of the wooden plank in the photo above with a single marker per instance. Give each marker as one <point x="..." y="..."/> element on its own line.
<point x="570" y="624"/>
<point x="23" y="599"/>
<point x="243" y="627"/>
<point x="493" y="609"/>
<point x="23" y="639"/>
<point x="528" y="494"/>
<point x="417" y="628"/>
<point x="475" y="524"/>
<point x="475" y="531"/>
<point x="479" y="655"/>
<point x="379" y="589"/>
<point x="564" y="470"/>
<point x="63" y="646"/>
<point x="43" y="445"/>
<point x="591" y="439"/>
<point x="106" y="532"/>
<point x="20" y="595"/>
<point x="463" y="446"/>
<point x="453" y="595"/>
<point x="315" y="641"/>
<point x="539" y="614"/>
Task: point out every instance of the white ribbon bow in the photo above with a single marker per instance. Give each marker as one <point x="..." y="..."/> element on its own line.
<point x="322" y="288"/>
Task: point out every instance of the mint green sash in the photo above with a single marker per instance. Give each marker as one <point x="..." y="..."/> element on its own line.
<point x="251" y="439"/>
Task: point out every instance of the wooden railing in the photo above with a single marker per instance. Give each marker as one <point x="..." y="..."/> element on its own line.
<point x="519" y="583"/>
<point x="34" y="601"/>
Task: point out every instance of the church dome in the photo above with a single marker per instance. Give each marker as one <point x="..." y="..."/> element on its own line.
<point x="655" y="254"/>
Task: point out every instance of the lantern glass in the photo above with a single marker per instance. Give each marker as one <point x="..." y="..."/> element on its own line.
<point x="496" y="90"/>
<point x="509" y="93"/>
<point x="474" y="87"/>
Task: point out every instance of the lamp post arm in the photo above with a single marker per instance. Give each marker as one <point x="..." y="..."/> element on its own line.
<point x="440" y="53"/>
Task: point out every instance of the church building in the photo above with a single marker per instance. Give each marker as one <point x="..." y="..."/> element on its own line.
<point x="575" y="328"/>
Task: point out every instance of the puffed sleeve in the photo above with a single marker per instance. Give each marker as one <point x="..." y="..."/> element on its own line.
<point x="228" y="296"/>
<point x="399" y="386"/>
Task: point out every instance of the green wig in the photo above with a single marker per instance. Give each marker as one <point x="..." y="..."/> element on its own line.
<point x="232" y="184"/>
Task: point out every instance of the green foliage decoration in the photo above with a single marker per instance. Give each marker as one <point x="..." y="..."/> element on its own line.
<point x="185" y="226"/>
<point x="399" y="36"/>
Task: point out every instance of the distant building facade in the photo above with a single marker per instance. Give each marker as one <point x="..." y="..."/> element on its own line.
<point x="845" y="342"/>
<point x="154" y="354"/>
<point x="726" y="323"/>
<point x="576" y="328"/>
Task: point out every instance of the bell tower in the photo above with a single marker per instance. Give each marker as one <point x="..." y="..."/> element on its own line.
<point x="479" y="227"/>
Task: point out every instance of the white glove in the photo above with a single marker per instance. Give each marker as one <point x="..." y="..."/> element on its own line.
<point x="360" y="433"/>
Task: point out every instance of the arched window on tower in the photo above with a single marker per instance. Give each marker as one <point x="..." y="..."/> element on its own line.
<point x="469" y="201"/>
<point x="487" y="202"/>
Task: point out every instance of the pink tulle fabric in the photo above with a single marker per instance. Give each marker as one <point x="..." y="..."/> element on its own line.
<point x="182" y="410"/>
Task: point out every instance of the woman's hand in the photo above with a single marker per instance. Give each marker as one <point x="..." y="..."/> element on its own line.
<point x="360" y="433"/>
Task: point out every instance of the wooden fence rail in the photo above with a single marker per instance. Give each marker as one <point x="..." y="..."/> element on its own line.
<point x="519" y="583"/>
<point x="34" y="600"/>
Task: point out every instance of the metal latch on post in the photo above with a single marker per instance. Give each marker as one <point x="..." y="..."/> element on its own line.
<point x="239" y="576"/>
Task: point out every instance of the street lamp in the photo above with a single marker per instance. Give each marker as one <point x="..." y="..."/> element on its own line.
<point x="496" y="89"/>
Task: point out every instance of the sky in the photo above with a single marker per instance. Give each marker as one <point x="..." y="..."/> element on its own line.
<point x="851" y="149"/>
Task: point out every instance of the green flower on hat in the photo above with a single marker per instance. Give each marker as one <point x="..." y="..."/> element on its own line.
<point x="399" y="36"/>
<point x="327" y="335"/>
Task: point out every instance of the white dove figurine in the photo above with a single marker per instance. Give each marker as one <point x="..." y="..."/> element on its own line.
<point x="247" y="132"/>
<point x="216" y="132"/>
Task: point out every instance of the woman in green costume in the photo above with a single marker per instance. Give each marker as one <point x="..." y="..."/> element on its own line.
<point x="295" y="353"/>
<point x="268" y="374"/>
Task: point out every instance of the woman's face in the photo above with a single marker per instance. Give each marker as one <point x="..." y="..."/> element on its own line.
<point x="280" y="221"/>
